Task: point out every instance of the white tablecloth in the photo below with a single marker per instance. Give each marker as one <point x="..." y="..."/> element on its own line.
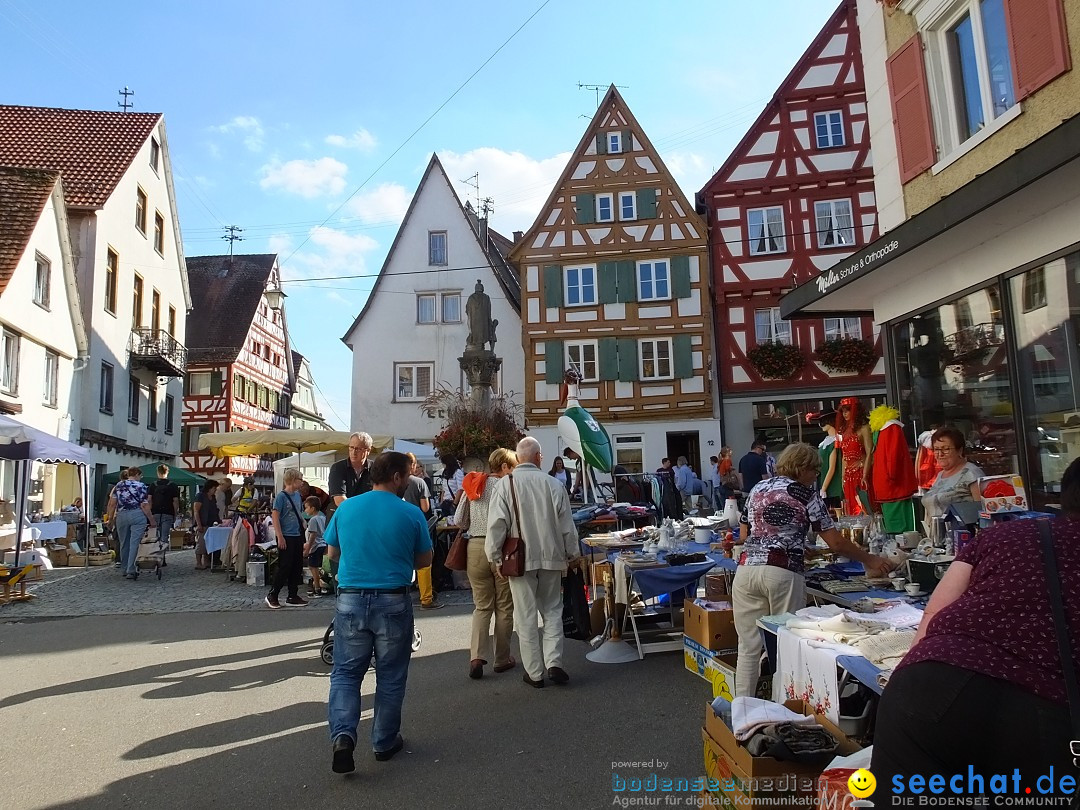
<point x="217" y="537"/>
<point x="53" y="530"/>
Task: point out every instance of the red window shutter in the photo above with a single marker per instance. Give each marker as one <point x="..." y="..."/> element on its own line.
<point x="911" y="109"/>
<point x="1040" y="48"/>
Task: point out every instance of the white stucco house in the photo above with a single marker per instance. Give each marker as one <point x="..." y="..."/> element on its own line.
<point x="305" y="413"/>
<point x="43" y="339"/>
<point x="129" y="262"/>
<point x="407" y="339"/>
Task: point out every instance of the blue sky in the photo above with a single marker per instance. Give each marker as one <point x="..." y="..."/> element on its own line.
<point x="280" y="115"/>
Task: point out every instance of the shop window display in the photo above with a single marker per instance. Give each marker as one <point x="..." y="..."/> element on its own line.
<point x="953" y="369"/>
<point x="1046" y="312"/>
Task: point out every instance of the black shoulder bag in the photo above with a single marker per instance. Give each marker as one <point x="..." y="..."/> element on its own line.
<point x="1061" y="629"/>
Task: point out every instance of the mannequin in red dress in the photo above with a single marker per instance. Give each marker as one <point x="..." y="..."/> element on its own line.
<point x="856" y="449"/>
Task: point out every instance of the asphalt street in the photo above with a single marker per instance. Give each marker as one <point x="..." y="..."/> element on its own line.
<point x="166" y="707"/>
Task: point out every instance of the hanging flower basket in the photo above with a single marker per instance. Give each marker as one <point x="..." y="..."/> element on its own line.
<point x="851" y="355"/>
<point x="776" y="361"/>
<point x="471" y="431"/>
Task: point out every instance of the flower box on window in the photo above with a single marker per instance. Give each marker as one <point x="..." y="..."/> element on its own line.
<point x="847" y="354"/>
<point x="776" y="361"/>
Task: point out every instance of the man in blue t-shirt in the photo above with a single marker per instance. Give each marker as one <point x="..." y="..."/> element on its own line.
<point x="753" y="467"/>
<point x="378" y="540"/>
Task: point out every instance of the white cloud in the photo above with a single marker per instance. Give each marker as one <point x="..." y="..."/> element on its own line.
<point x="306" y="178"/>
<point x="249" y="126"/>
<point x="361" y="139"/>
<point x="327" y="252"/>
<point x="690" y="170"/>
<point x="517" y="183"/>
<point x="386" y="203"/>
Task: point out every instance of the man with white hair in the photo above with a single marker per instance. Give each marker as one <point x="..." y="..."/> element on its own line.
<point x="534" y="506"/>
<point x="352" y="475"/>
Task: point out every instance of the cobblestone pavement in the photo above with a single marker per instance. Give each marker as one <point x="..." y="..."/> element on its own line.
<point x="102" y="590"/>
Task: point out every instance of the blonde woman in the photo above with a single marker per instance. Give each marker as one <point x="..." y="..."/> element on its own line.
<point x="780" y="512"/>
<point x="490" y="590"/>
<point x="289" y="531"/>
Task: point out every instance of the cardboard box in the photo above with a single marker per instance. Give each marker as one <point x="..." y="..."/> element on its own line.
<point x="78" y="560"/>
<point x="716" y="668"/>
<point x="712" y="629"/>
<point x="176" y="539"/>
<point x="58" y="555"/>
<point x="1003" y="493"/>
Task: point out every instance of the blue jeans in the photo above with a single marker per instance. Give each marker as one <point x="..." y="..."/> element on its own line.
<point x="164" y="526"/>
<point x="363" y="624"/>
<point x="130" y="527"/>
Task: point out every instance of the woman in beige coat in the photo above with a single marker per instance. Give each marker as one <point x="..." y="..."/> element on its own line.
<point x="490" y="590"/>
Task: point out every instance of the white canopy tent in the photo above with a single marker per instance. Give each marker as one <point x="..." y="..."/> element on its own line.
<point x="24" y="445"/>
<point x="315" y="467"/>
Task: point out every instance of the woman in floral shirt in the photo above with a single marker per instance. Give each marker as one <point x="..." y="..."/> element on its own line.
<point x="780" y="512"/>
<point x="130" y="503"/>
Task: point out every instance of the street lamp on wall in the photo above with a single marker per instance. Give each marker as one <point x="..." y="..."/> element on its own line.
<point x="275" y="297"/>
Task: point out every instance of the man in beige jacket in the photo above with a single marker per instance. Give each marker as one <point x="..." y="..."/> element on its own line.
<point x="551" y="543"/>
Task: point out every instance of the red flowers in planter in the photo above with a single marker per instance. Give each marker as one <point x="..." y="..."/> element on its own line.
<point x="847" y="354"/>
<point x="776" y="361"/>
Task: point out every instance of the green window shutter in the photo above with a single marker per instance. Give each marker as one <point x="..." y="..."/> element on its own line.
<point x="684" y="357"/>
<point x="646" y="203"/>
<point x="609" y="359"/>
<point x="608" y="282"/>
<point x="238" y="386"/>
<point x="680" y="276"/>
<point x="628" y="370"/>
<point x="601" y="144"/>
<point x="553" y="361"/>
<point x="553" y="286"/>
<point x="586" y="209"/>
<point x="627" y="141"/>
<point x="215" y="383"/>
<point x="627" y="281"/>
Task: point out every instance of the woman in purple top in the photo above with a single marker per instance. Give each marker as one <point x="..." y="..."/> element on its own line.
<point x="983" y="684"/>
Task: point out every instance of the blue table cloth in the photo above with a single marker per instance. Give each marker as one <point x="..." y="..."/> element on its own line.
<point x="861" y="669"/>
<point x="652" y="582"/>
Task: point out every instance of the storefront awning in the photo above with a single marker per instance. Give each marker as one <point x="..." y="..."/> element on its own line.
<point x="1028" y="185"/>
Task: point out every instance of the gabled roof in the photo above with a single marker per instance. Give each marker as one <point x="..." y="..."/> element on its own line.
<point x="494" y="249"/>
<point x="611" y="97"/>
<point x="23" y="194"/>
<point x="791" y="81"/>
<point x="92" y="148"/>
<point x="225" y="292"/>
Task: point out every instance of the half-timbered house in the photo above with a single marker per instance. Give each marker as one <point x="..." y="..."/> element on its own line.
<point x="239" y="361"/>
<point x="794" y="198"/>
<point x="615" y="283"/>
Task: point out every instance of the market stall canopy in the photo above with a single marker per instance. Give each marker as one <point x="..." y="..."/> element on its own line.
<point x="19" y="441"/>
<point x="259" y="442"/>
<point x="179" y="476"/>
<point x="424" y="453"/>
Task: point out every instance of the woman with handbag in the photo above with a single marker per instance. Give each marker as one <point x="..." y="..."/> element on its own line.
<point x="490" y="589"/>
<point x="990" y="681"/>
<point x="289" y="530"/>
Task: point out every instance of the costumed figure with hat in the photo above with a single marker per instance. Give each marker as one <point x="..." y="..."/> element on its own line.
<point x="830" y="480"/>
<point x="893" y="475"/>
<point x="856" y="449"/>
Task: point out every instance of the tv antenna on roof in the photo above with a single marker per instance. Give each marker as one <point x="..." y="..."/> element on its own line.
<point x="598" y="87"/>
<point x="125" y="105"/>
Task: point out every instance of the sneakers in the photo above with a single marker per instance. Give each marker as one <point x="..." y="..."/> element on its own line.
<point x="296" y="601"/>
<point x="343" y="755"/>
<point x="434" y="604"/>
<point x="272" y="602"/>
<point x="383" y="756"/>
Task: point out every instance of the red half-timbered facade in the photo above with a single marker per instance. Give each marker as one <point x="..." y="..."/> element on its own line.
<point x="240" y="373"/>
<point x="795" y="197"/>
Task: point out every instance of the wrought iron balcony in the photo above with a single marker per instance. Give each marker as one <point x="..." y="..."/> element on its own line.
<point x="158" y="351"/>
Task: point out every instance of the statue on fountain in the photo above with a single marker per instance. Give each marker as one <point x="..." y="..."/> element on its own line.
<point x="481" y="326"/>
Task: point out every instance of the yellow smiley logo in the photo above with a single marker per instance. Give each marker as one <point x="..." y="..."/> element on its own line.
<point x="862" y="783"/>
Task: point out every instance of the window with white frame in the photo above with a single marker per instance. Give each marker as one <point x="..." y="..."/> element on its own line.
<point x="654" y="281"/>
<point x="969" y="50"/>
<point x="51" y="389"/>
<point x="833" y="223"/>
<point x="605" y="208"/>
<point x="766" y="230"/>
<point x="42" y="281"/>
<point x="630" y="453"/>
<point x="580" y="285"/>
<point x="9" y="356"/>
<point x="199" y="384"/>
<point x="654" y="357"/>
<point x="581" y="355"/>
<point x="627" y="205"/>
<point x="614" y="143"/>
<point x="829" y="129"/>
<point x="140" y="210"/>
<point x="837" y="328"/>
<point x="451" y="307"/>
<point x="769" y="327"/>
<point x="413" y="381"/>
<point x="437" y="247"/>
<point x="425" y="308"/>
